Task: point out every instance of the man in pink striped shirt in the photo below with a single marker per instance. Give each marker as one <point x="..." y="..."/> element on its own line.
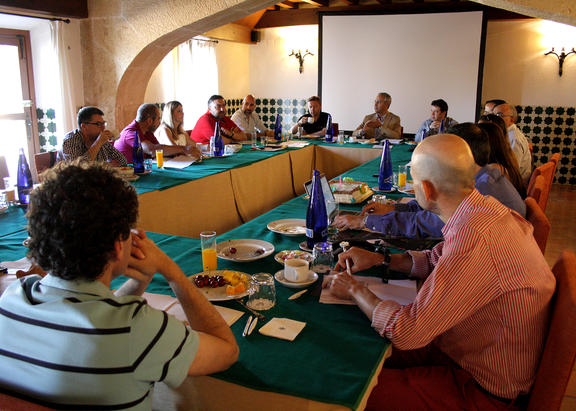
<point x="474" y="335"/>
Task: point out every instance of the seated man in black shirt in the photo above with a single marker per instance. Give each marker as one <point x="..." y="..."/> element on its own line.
<point x="314" y="122"/>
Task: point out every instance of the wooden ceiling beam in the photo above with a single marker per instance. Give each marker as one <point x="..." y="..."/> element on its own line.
<point x="231" y="32"/>
<point x="319" y="3"/>
<point x="288" y="5"/>
<point x="294" y="17"/>
<point x="77" y="9"/>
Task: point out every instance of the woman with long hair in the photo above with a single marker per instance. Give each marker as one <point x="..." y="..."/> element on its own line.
<point x="501" y="154"/>
<point x="171" y="130"/>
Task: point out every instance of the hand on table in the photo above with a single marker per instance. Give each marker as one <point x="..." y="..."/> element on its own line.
<point x="349" y="222"/>
<point x="193" y="152"/>
<point x="377" y="208"/>
<point x="359" y="260"/>
<point x="340" y="285"/>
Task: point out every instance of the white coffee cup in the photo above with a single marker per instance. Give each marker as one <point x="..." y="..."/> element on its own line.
<point x="296" y="270"/>
<point x="310" y="120"/>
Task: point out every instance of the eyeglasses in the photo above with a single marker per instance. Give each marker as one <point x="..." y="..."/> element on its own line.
<point x="504" y="115"/>
<point x="99" y="123"/>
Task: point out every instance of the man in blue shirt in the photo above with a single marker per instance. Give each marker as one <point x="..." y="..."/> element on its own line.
<point x="438" y="114"/>
<point x="411" y="221"/>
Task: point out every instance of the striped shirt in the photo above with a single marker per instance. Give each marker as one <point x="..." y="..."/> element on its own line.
<point x="74" y="345"/>
<point x="73" y="147"/>
<point x="485" y="300"/>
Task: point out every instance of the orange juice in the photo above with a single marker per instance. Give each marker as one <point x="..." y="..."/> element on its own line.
<point x="160" y="158"/>
<point x="401" y="179"/>
<point x="209" y="261"/>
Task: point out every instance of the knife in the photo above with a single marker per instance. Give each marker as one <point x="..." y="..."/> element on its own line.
<point x="252" y="325"/>
<point x="247" y="326"/>
<point x="257" y="314"/>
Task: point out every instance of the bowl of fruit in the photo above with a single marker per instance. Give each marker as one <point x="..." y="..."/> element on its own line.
<point x="222" y="285"/>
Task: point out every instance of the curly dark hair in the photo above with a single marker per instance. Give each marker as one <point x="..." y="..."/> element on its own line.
<point x="75" y="217"/>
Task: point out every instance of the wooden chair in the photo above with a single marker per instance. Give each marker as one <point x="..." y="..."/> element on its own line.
<point x="555" y="159"/>
<point x="539" y="221"/>
<point x="537" y="189"/>
<point x="547" y="171"/>
<point x="9" y="403"/>
<point x="46" y="160"/>
<point x="557" y="360"/>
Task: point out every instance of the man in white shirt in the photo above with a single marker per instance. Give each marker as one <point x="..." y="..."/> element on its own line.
<point x="248" y="121"/>
<point x="518" y="141"/>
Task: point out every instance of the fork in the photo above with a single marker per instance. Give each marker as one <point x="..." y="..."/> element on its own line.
<point x="257" y="314"/>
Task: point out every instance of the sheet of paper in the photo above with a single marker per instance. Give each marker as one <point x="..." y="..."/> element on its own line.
<point x="297" y="144"/>
<point x="402" y="291"/>
<point x="178" y="162"/>
<point x="23" y="264"/>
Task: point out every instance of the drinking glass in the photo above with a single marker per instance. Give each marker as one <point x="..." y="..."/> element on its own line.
<point x="379" y="198"/>
<point x="160" y="158"/>
<point x="332" y="208"/>
<point x="402" y="177"/>
<point x="262" y="292"/>
<point x="208" y="242"/>
<point x="323" y="258"/>
<point x="148" y="165"/>
<point x="341" y="137"/>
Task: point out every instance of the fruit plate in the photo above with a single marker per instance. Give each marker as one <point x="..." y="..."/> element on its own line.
<point x="244" y="250"/>
<point x="282" y="256"/>
<point x="219" y="293"/>
<point x="288" y="226"/>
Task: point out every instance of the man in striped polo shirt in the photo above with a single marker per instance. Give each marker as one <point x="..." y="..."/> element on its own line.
<point x="66" y="340"/>
<point x="473" y="337"/>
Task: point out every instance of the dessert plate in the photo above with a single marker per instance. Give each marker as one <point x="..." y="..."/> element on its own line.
<point x="244" y="250"/>
<point x="288" y="226"/>
<point x="219" y="293"/>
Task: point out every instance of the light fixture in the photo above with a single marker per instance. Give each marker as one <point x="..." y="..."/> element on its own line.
<point x="300" y="58"/>
<point x="561" y="57"/>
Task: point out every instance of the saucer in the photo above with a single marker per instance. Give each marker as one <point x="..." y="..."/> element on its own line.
<point x="304" y="246"/>
<point x="376" y="189"/>
<point x="312" y="277"/>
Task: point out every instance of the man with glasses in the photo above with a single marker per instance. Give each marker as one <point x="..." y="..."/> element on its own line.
<point x="147" y="121"/>
<point x="91" y="140"/>
<point x="382" y="123"/>
<point x="518" y="141"/>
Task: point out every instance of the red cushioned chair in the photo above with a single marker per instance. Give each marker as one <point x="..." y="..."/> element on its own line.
<point x="547" y="171"/>
<point x="557" y="360"/>
<point x="537" y="218"/>
<point x="537" y="188"/>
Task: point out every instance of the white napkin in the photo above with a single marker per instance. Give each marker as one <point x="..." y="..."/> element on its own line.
<point x="402" y="291"/>
<point x="283" y="328"/>
<point x="181" y="161"/>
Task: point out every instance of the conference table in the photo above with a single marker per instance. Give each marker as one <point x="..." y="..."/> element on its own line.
<point x="333" y="362"/>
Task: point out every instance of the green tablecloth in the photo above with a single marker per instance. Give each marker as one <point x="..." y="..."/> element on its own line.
<point x="12" y="220"/>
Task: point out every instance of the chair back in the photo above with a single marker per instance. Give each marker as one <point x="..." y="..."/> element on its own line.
<point x="547" y="171"/>
<point x="559" y="353"/>
<point x="537" y="189"/>
<point x="45" y="160"/>
<point x="539" y="221"/>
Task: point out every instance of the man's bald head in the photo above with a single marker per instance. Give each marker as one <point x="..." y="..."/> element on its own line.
<point x="248" y="104"/>
<point x="446" y="161"/>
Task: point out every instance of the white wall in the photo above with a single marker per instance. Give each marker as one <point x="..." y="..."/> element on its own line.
<point x="273" y="73"/>
<point x="233" y="61"/>
<point x="516" y="69"/>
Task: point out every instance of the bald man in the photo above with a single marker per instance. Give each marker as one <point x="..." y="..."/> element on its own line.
<point x="473" y="337"/>
<point x="411" y="221"/>
<point x="248" y="121"/>
<point x="518" y="141"/>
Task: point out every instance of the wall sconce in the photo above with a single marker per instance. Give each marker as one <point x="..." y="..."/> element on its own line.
<point x="300" y="58"/>
<point x="561" y="57"/>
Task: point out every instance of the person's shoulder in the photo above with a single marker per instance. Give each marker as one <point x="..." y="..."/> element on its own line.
<point x="394" y="116"/>
<point x="70" y="137"/>
<point x="237" y="113"/>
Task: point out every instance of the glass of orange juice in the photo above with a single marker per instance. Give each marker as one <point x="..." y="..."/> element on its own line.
<point x="160" y="158"/>
<point x="402" y="173"/>
<point x="208" y="242"/>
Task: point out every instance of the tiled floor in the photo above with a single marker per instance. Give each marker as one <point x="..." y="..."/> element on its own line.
<point x="561" y="211"/>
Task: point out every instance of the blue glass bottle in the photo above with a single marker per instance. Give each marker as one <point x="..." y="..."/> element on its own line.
<point x="385" y="175"/>
<point x="218" y="147"/>
<point x="329" y="136"/>
<point x="137" y="155"/>
<point x="24" y="182"/>
<point x="316" y="217"/>
<point x="278" y="128"/>
<point x="441" y="129"/>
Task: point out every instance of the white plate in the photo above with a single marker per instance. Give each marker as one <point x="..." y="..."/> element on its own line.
<point x="219" y="293"/>
<point x="288" y="226"/>
<point x="245" y="250"/>
<point x="297" y="254"/>
<point x="312" y="277"/>
<point x="304" y="246"/>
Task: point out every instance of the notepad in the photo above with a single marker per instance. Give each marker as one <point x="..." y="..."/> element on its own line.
<point x="402" y="291"/>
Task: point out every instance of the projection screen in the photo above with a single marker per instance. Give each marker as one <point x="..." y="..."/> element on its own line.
<point x="416" y="58"/>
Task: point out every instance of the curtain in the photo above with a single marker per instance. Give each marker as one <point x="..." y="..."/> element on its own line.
<point x="66" y="113"/>
<point x="196" y="77"/>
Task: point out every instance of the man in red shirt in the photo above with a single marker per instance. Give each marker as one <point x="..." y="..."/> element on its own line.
<point x="147" y="121"/>
<point x="204" y="128"/>
<point x="474" y="335"/>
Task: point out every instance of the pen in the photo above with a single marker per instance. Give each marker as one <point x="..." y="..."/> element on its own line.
<point x="348" y="267"/>
<point x="252" y="325"/>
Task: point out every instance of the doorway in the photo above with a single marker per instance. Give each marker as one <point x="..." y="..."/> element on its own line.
<point x="17" y="106"/>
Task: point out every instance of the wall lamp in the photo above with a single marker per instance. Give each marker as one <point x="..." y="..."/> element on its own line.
<point x="300" y="58"/>
<point x="561" y="57"/>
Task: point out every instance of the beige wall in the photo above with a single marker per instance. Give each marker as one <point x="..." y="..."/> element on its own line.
<point x="516" y="69"/>
<point x="233" y="60"/>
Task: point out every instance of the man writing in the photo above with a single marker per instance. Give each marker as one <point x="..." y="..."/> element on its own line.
<point x="91" y="140"/>
<point x="382" y="124"/>
<point x="204" y="128"/>
<point x="248" y="121"/>
<point x="147" y="121"/>
<point x="410" y="220"/>
<point x="67" y="339"/>
<point x="518" y="141"/>
<point x="474" y="334"/>
<point x="438" y="114"/>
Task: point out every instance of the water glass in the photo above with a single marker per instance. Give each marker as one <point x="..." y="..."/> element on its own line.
<point x="262" y="293"/>
<point x="208" y="243"/>
<point x="340" y="137"/>
<point x="322" y="257"/>
<point x="148" y="165"/>
<point x="379" y="198"/>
